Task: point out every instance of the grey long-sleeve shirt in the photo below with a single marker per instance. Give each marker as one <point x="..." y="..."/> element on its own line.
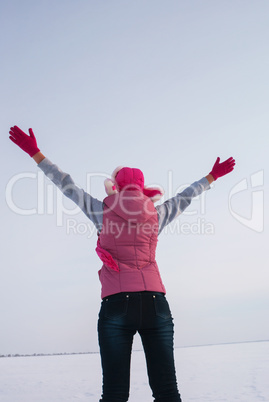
<point x="93" y="208"/>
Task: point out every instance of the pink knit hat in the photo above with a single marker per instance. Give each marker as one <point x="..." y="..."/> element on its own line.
<point x="131" y="179"/>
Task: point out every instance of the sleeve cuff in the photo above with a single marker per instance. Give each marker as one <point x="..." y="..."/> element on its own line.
<point x="205" y="183"/>
<point x="45" y="165"/>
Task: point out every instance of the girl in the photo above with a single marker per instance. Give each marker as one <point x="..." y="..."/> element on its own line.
<point x="133" y="294"/>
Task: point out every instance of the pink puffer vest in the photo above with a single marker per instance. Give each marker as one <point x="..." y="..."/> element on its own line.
<point x="129" y="234"/>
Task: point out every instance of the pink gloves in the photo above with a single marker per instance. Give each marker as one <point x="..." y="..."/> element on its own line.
<point x="220" y="169"/>
<point x="106" y="257"/>
<point x="24" y="141"/>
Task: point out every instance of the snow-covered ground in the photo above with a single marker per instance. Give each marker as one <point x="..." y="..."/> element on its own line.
<point x="231" y="372"/>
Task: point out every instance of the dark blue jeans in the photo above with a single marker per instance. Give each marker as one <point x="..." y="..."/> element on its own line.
<point x="121" y="316"/>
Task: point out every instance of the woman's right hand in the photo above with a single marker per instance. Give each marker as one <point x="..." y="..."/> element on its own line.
<point x="26" y="142"/>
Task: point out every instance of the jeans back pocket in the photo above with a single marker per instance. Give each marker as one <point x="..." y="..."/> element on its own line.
<point x="162" y="308"/>
<point x="116" y="308"/>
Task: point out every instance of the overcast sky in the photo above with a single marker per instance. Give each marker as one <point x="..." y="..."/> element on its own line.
<point x="165" y="86"/>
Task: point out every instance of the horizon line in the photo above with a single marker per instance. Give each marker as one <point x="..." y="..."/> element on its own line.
<point x="134" y="350"/>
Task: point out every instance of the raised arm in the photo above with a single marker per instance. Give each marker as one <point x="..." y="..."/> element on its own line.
<point x="173" y="207"/>
<point x="92" y="207"/>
